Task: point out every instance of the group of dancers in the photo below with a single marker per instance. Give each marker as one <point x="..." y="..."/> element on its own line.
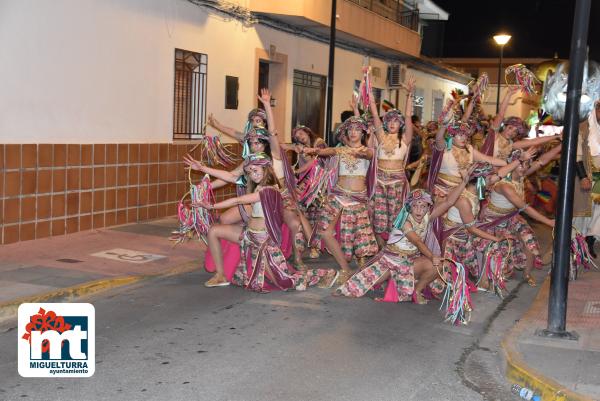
<point x="453" y="227"/>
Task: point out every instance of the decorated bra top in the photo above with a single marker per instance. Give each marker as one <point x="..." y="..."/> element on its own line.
<point x="500" y="201"/>
<point x="503" y="147"/>
<point x="392" y="148"/>
<point x="456" y="159"/>
<point x="351" y="165"/>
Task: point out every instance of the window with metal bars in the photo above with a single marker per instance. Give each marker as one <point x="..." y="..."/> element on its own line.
<point x="189" y="105"/>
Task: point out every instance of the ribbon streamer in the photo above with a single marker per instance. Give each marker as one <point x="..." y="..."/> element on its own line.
<point x="194" y="220"/>
<point x="580" y="254"/>
<point x="518" y="74"/>
<point x="457" y="296"/>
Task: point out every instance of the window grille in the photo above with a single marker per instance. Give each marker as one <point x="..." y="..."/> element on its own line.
<point x="189" y="106"/>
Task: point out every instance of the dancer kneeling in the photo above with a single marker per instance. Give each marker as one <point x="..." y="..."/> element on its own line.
<point x="262" y="267"/>
<point x="406" y="261"/>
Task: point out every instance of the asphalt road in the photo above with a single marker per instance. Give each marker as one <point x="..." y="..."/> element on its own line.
<point x="172" y="338"/>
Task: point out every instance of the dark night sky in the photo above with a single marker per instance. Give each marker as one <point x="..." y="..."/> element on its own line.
<point x="538" y="27"/>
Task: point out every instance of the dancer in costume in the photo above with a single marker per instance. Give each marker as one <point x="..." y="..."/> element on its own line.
<point x="347" y="200"/>
<point x="262" y="266"/>
<point x="449" y="158"/>
<point x="310" y="169"/>
<point x="508" y="134"/>
<point x="462" y="238"/>
<point x="586" y="202"/>
<point x="506" y="201"/>
<point x="256" y="118"/>
<point x="420" y="167"/>
<point x="257" y="140"/>
<point x="394" y="137"/>
<point x="406" y="262"/>
<point x="293" y="218"/>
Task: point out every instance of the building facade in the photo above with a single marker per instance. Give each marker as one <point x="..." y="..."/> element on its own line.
<point x="101" y="99"/>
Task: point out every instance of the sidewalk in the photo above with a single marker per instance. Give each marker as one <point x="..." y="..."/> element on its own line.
<point x="559" y="369"/>
<point x="60" y="268"/>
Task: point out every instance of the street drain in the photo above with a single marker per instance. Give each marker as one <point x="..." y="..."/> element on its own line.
<point x="69" y="260"/>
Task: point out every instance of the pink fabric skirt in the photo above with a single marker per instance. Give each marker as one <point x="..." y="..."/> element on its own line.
<point x="232" y="252"/>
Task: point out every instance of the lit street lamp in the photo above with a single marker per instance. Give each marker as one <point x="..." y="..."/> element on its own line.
<point x="501" y="39"/>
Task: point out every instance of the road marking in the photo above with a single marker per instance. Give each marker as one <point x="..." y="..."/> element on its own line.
<point x="592" y="308"/>
<point x="128" y="255"/>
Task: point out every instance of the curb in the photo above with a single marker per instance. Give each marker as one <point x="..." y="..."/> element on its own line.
<point x="9" y="309"/>
<point x="517" y="370"/>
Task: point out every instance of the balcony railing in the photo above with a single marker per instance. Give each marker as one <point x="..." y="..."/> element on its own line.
<point x="395" y="10"/>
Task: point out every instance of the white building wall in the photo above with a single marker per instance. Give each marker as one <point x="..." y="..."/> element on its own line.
<point x="101" y="71"/>
<point x="430" y="84"/>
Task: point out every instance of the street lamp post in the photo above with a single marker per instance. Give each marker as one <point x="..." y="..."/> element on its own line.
<point x="501" y="39"/>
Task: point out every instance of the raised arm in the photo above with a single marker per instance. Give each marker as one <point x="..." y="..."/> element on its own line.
<point x="469" y="110"/>
<point x="506" y="170"/>
<point x="440" y="143"/>
<point x="230" y="132"/>
<point x="323" y="152"/>
<point x="497" y="121"/>
<point x="354" y="101"/>
<point x="218" y="183"/>
<point x="228" y="176"/>
<point x="543" y="160"/>
<point x="509" y="193"/>
<point x="274" y="141"/>
<point x="480" y="157"/>
<point x="376" y="119"/>
<point x="526" y="143"/>
<point x="408" y="110"/>
<point x="226" y="204"/>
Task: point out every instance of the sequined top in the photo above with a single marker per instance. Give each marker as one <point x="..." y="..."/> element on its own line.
<point x="389" y="149"/>
<point x="455" y="160"/>
<point x="502" y="147"/>
<point x="351" y="165"/>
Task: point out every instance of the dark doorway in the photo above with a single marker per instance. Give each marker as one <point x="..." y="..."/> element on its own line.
<point x="263" y="78"/>
<point x="308" y="105"/>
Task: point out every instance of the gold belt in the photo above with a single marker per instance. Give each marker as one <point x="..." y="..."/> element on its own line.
<point x="499" y="210"/>
<point x="451" y="178"/>
<point x="385" y="170"/>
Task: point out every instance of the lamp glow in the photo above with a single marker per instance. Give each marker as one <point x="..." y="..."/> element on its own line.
<point x="502" y="39"/>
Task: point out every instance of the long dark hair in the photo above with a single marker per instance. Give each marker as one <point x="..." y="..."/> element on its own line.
<point x="269" y="179"/>
<point x="311" y="135"/>
<point x="267" y="146"/>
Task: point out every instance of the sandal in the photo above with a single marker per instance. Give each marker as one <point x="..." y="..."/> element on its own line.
<point x="217" y="282"/>
<point x="530" y="280"/>
<point x="343" y="276"/>
<point x="314" y="253"/>
<point x="329" y="280"/>
<point x="419" y="299"/>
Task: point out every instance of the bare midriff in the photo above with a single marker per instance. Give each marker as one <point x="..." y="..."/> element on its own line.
<point x="392" y="165"/>
<point x="256" y="223"/>
<point x="353" y="183"/>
